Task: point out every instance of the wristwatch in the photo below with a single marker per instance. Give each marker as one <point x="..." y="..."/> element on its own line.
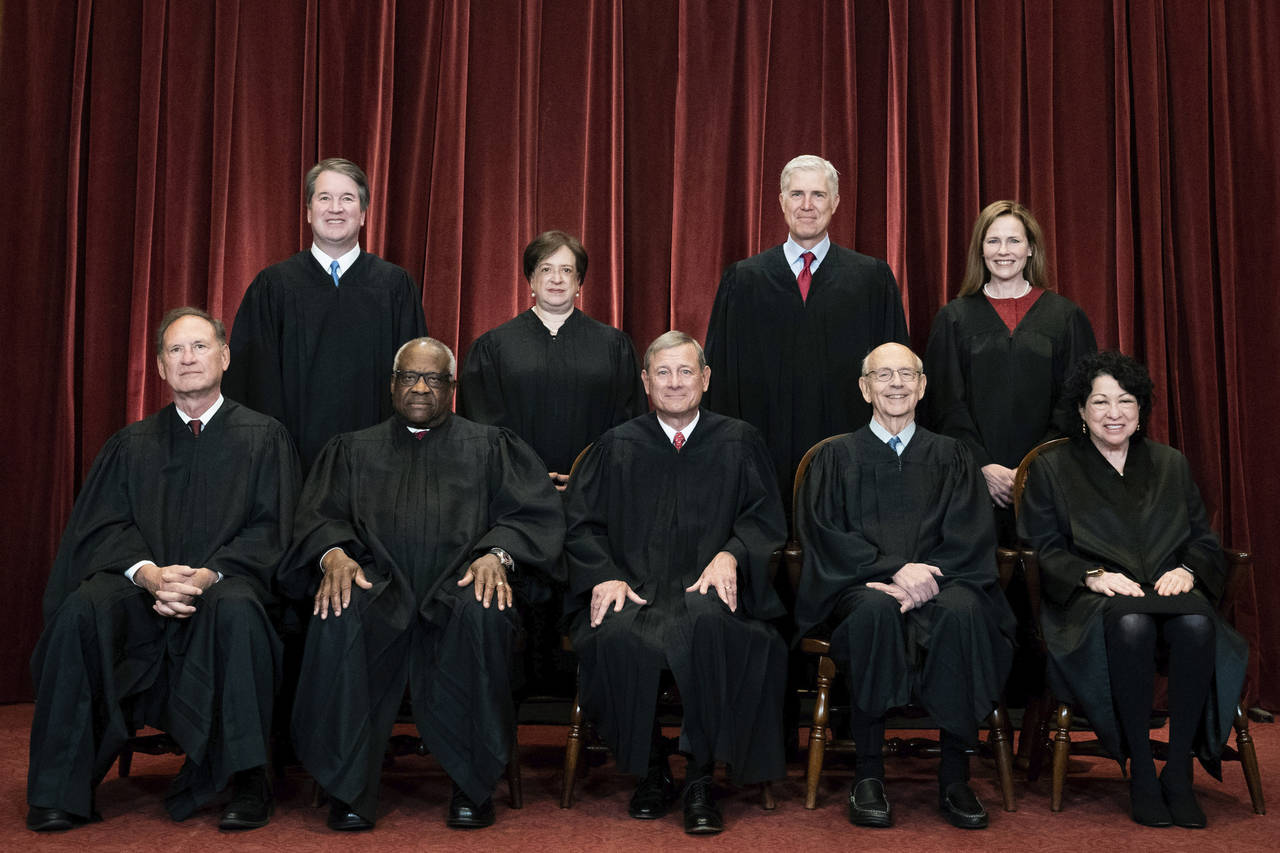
<point x="1095" y="572"/>
<point x="504" y="558"/>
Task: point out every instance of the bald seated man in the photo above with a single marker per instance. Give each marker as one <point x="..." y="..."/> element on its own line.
<point x="899" y="566"/>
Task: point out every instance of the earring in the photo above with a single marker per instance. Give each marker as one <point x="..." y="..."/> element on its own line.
<point x="1084" y="429"/>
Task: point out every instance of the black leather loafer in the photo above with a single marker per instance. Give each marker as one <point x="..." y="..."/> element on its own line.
<point x="464" y="813"/>
<point x="654" y="795"/>
<point x="701" y="817"/>
<point x="962" y="807"/>
<point x="868" y="806"/>
<point x="343" y="819"/>
<point x="251" y="801"/>
<point x="54" y="820"/>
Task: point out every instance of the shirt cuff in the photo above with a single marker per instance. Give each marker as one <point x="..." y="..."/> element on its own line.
<point x="133" y="570"/>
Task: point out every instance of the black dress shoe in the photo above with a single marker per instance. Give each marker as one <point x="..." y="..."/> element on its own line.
<point x="465" y="814"/>
<point x="868" y="806"/>
<point x="55" y="820"/>
<point x="1183" y="808"/>
<point x="343" y="819"/>
<point x="654" y="795"/>
<point x="251" y="801"/>
<point x="962" y="807"/>
<point x="701" y="817"/>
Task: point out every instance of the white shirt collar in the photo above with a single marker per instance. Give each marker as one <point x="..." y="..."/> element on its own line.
<point x="794" y="250"/>
<point x="344" y="262"/>
<point x="884" y="435"/>
<point x="687" y="430"/>
<point x="205" y="418"/>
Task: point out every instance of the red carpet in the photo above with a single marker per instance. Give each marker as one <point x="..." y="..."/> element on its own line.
<point x="415" y="794"/>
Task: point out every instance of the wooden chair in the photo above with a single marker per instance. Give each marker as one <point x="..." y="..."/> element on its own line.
<point x="820" y="738"/>
<point x="1239" y="565"/>
<point x="581" y="736"/>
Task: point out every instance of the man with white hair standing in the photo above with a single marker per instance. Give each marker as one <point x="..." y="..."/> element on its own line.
<point x="791" y="325"/>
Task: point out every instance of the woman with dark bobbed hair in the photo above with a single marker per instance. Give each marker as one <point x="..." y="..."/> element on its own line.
<point x="558" y="379"/>
<point x="999" y="352"/>
<point x="1131" y="572"/>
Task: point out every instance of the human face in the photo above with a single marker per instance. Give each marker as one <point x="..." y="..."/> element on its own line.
<point x="1110" y="413"/>
<point x="674" y="382"/>
<point x="555" y="281"/>
<point x="1005" y="249"/>
<point x="191" y="360"/>
<point x="419" y="404"/>
<point x="807" y="205"/>
<point x="893" y="402"/>
<point x="335" y="214"/>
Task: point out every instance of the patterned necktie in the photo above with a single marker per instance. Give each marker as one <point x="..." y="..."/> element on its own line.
<point x="895" y="444"/>
<point x="195" y="427"/>
<point x="806" y="276"/>
<point x="678" y="441"/>
<point x="333" y="269"/>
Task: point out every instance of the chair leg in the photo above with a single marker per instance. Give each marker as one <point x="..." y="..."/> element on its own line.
<point x="1249" y="760"/>
<point x="767" y="801"/>
<point x="515" y="786"/>
<point x="1001" y="742"/>
<point x="818" y="731"/>
<point x="1038" y="746"/>
<point x="126" y="761"/>
<point x="572" y="751"/>
<point x="1061" y="753"/>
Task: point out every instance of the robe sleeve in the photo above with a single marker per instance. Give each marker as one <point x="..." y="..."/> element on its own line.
<point x="759" y="529"/>
<point x="837" y="554"/>
<point x="526" y="512"/>
<point x="1078" y="341"/>
<point x="894" y="319"/>
<point x="1044" y="523"/>
<point x="1202" y="551"/>
<point x="101" y="535"/>
<point x="630" y="399"/>
<point x="410" y="321"/>
<point x="588" y="552"/>
<point x="721" y="350"/>
<point x="256" y="552"/>
<point x="948" y="399"/>
<point x="965" y="529"/>
<point x="480" y="385"/>
<point x="254" y="377"/>
<point x="324" y="520"/>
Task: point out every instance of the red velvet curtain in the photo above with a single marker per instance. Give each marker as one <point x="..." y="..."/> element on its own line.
<point x="154" y="153"/>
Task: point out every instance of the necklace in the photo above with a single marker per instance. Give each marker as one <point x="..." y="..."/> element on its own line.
<point x="1026" y="288"/>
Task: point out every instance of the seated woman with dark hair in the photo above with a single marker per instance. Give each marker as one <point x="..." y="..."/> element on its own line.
<point x="1130" y="566"/>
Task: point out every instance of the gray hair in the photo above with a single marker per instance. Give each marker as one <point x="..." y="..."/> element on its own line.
<point x="431" y="342"/>
<point x="670" y="340"/>
<point x="175" y="314"/>
<point x="811" y="163"/>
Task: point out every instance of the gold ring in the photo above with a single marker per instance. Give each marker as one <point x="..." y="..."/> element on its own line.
<point x="500" y="583"/>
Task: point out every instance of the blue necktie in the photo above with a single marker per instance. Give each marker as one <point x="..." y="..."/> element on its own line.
<point x="333" y="268"/>
<point x="895" y="444"/>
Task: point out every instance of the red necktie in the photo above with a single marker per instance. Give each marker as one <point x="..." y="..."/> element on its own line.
<point x="195" y="427"/>
<point x="805" y="276"/>
<point x="420" y="435"/>
<point x="678" y="441"/>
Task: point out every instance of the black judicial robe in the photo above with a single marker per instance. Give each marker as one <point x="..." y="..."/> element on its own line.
<point x="641" y="512"/>
<point x="999" y="391"/>
<point x="318" y="357"/>
<point x="1078" y="512"/>
<point x="863" y="513"/>
<point x="107" y="664"/>
<point x="415" y="514"/>
<point x="557" y="392"/>
<point x="790" y="367"/>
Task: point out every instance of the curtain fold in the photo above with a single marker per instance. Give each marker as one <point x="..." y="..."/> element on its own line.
<point x="156" y="151"/>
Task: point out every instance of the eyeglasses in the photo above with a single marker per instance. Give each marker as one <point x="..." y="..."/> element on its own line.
<point x="885" y="374"/>
<point x="435" y="381"/>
